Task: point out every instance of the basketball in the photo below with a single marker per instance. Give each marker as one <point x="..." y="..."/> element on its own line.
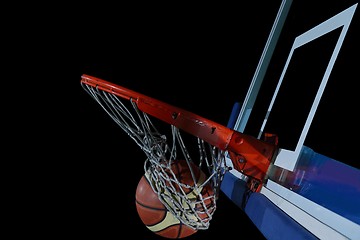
<point x="153" y="212"/>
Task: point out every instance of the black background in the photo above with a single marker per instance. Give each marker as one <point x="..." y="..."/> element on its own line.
<point x="199" y="58"/>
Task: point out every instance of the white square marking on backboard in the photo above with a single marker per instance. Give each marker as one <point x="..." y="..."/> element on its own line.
<point x="287" y="158"/>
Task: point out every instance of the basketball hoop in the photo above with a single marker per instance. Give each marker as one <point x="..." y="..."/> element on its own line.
<point x="135" y="114"/>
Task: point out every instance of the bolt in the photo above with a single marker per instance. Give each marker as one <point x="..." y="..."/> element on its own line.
<point x="175" y="115"/>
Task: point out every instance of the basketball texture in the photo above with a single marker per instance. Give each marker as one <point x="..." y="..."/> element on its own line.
<point x="153" y="212"/>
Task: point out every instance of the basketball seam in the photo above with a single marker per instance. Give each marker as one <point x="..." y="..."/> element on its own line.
<point x="152" y="208"/>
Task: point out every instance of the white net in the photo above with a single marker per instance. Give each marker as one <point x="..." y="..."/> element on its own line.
<point x="186" y="181"/>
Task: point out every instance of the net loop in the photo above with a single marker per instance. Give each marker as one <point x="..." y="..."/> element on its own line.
<point x="192" y="202"/>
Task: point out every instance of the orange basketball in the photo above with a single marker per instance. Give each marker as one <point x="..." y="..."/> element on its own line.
<point x="153" y="212"/>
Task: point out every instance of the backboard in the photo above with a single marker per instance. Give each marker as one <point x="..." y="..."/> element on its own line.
<point x="302" y="92"/>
